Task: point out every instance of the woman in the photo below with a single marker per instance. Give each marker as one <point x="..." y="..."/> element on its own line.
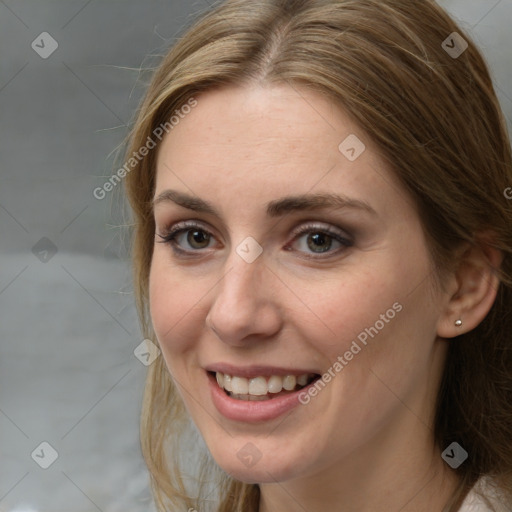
<point x="322" y="253"/>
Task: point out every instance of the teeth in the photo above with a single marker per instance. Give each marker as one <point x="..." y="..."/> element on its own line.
<point x="258" y="388"/>
<point x="275" y="384"/>
<point x="239" y="385"/>
<point x="289" y="382"/>
<point x="227" y="383"/>
<point x="301" y="381"/>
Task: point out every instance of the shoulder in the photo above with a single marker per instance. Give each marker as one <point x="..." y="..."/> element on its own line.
<point x="483" y="498"/>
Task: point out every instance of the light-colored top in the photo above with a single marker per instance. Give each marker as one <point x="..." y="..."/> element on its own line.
<point x="475" y="503"/>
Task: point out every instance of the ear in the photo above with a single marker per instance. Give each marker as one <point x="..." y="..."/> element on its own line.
<point x="473" y="289"/>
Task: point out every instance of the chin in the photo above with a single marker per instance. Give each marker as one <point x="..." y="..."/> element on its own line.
<point x="249" y="465"/>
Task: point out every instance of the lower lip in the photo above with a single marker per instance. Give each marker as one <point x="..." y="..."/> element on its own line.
<point x="252" y="411"/>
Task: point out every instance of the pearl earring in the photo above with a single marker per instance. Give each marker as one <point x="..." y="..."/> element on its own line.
<point x="458" y="322"/>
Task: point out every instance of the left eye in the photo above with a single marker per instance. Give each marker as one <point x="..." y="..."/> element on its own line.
<point x="317" y="240"/>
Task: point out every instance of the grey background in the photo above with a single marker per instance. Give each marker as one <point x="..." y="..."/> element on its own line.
<point x="68" y="327"/>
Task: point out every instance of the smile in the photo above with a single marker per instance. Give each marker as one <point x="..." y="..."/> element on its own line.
<point x="262" y="388"/>
<point x="255" y="398"/>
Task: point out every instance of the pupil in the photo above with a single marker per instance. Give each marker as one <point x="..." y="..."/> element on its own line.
<point x="197" y="237"/>
<point x="318" y="239"/>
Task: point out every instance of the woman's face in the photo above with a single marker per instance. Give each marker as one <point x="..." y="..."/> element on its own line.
<point x="272" y="283"/>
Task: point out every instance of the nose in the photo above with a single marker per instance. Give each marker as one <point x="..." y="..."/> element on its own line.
<point x="245" y="305"/>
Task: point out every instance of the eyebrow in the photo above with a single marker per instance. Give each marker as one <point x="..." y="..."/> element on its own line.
<point x="275" y="208"/>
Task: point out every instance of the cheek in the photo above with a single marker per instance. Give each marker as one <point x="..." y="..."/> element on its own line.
<point x="390" y="314"/>
<point x="381" y="308"/>
<point x="173" y="303"/>
<point x="354" y="302"/>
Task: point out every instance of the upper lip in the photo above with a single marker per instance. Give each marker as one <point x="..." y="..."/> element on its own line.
<point x="253" y="371"/>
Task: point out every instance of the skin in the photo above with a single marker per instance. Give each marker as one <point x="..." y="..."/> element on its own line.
<point x="365" y="441"/>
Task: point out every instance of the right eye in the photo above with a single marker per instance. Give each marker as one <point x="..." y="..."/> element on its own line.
<point x="184" y="233"/>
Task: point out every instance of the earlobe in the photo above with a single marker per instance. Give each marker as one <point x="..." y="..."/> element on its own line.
<point x="476" y="287"/>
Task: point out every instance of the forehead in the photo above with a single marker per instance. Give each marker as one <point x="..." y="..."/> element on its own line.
<point x="281" y="121"/>
<point x="251" y="142"/>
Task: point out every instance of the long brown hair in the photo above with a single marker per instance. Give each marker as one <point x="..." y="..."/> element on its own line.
<point x="436" y="120"/>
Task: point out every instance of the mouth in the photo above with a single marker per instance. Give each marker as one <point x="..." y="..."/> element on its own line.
<point x="261" y="388"/>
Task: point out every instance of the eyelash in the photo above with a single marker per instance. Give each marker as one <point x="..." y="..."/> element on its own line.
<point x="170" y="235"/>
